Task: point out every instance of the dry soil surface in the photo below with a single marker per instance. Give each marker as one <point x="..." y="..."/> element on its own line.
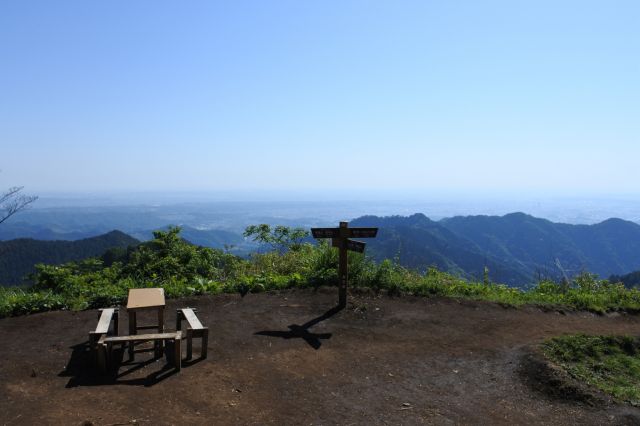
<point x="287" y="358"/>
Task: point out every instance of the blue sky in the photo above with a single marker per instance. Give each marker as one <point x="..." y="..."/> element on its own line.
<point x="512" y="96"/>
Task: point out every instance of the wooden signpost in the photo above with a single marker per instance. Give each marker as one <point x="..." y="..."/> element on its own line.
<point x="340" y="238"/>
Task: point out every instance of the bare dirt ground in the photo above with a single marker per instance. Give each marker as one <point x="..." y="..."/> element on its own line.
<point x="288" y="359"/>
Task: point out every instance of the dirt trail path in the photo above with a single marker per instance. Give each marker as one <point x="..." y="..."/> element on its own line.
<point x="397" y="361"/>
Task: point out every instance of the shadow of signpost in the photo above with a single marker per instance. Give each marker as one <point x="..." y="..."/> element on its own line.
<point x="302" y="331"/>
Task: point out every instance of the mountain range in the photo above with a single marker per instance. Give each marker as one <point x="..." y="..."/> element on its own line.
<point x="518" y="249"/>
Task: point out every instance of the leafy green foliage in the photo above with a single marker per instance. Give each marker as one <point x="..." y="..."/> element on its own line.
<point x="183" y="269"/>
<point x="280" y="237"/>
<point x="609" y="363"/>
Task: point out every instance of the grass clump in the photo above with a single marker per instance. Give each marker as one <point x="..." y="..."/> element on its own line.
<point x="183" y="269"/>
<point x="608" y="363"/>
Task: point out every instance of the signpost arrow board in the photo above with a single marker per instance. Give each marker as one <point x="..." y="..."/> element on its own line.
<point x="352" y="245"/>
<point x="325" y="232"/>
<point x="363" y="232"/>
<point x="357" y="246"/>
<point x="340" y="239"/>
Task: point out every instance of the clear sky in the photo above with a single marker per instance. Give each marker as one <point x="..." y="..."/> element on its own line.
<point x="301" y="95"/>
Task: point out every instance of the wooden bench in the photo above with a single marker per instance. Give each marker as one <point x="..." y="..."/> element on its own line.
<point x="104" y="322"/>
<point x="196" y="329"/>
<point x="105" y="346"/>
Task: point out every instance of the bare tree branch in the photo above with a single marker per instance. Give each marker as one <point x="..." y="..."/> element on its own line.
<point x="10" y="193"/>
<point x="12" y="201"/>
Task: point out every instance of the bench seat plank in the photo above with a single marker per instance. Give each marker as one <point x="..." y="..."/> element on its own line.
<point x="105" y="321"/>
<point x="193" y="320"/>
<point x="142" y="337"/>
<point x="196" y="329"/>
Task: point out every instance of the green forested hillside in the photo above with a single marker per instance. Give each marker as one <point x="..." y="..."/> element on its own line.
<point x="516" y="248"/>
<point x="18" y="257"/>
<point x="418" y="242"/>
<point x="631" y="279"/>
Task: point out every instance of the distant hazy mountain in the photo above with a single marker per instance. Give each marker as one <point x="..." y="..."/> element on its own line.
<point x="18" y="257"/>
<point x="516" y="248"/>
<point x="214" y="238"/>
<point x="18" y="230"/>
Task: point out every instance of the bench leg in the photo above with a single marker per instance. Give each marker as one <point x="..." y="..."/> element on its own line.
<point x="157" y="344"/>
<point x="189" y="344"/>
<point x="205" y="343"/>
<point x="160" y="328"/>
<point x="105" y="357"/>
<point x="93" y="340"/>
<point x="109" y="357"/>
<point x="101" y="358"/>
<point x="178" y="319"/>
<point x="116" y="323"/>
<point x="132" y="331"/>
<point x="177" y="346"/>
<point x="93" y="347"/>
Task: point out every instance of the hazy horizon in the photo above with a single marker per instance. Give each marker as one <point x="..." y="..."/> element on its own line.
<point x="321" y="207"/>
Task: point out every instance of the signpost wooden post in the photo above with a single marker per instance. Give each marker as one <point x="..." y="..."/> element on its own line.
<point x="340" y="238"/>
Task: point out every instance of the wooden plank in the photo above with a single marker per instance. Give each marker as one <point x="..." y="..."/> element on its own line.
<point x="141" y="337"/>
<point x="104" y="321"/>
<point x="190" y="316"/>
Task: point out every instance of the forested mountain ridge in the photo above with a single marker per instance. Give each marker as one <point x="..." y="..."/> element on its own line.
<point x="18" y="257"/>
<point x="516" y="248"/>
<point x="419" y="242"/>
<point x="631" y="279"/>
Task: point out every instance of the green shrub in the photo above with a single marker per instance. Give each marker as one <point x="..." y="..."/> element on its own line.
<point x="16" y="301"/>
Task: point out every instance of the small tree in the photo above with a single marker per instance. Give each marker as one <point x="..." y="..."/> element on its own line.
<point x="280" y="238"/>
<point x="12" y="201"/>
